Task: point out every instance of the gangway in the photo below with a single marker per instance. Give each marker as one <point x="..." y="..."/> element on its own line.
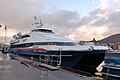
<point x="52" y="62"/>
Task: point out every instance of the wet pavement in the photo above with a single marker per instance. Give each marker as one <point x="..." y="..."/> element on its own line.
<point x="14" y="70"/>
<point x="11" y="69"/>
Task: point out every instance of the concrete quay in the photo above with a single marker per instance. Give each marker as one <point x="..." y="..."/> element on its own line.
<point x="11" y="69"/>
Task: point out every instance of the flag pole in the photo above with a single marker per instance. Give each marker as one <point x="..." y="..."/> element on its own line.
<point x="0" y="34"/>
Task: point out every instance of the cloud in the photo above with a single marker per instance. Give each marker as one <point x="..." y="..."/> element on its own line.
<point x="87" y="32"/>
<point x="63" y="21"/>
<point x="99" y="23"/>
<point x="109" y="4"/>
<point x="15" y="13"/>
<point x="91" y="26"/>
<point x="18" y="16"/>
<point x="64" y="18"/>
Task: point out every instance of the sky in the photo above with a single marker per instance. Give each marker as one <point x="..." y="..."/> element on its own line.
<point x="75" y="19"/>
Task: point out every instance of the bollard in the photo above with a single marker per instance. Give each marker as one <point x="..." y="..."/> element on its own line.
<point x="99" y="78"/>
<point x="99" y="75"/>
<point x="8" y="56"/>
<point x="31" y="59"/>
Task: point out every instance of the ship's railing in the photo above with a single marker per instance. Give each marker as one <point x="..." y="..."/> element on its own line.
<point x="107" y="74"/>
<point x="113" y="51"/>
<point x="48" y="59"/>
<point x="54" y="60"/>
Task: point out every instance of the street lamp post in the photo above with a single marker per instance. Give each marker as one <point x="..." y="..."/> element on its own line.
<point x="0" y="34"/>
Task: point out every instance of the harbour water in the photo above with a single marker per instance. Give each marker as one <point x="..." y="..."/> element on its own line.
<point x="11" y="69"/>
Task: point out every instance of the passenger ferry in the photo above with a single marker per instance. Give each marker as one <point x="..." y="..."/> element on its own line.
<point x="44" y="42"/>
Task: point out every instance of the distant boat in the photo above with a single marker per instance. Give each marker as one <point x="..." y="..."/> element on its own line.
<point x="44" y="42"/>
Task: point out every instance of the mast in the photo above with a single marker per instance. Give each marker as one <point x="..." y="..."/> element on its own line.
<point x="3" y="32"/>
<point x="0" y="34"/>
<point x="37" y="24"/>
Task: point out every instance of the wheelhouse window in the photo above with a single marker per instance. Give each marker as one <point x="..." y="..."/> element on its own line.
<point x="42" y="30"/>
<point x="24" y="36"/>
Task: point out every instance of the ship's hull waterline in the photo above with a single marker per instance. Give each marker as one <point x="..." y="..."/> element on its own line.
<point x="86" y="61"/>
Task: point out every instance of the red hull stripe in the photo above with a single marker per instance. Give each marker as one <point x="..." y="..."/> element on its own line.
<point x="31" y="49"/>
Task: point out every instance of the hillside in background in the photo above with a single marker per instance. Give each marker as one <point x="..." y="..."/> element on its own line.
<point x="111" y="39"/>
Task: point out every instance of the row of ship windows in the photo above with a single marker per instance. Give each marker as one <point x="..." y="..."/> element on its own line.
<point x="42" y="30"/>
<point x="44" y="43"/>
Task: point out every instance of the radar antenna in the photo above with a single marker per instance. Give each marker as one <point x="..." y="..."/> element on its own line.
<point x="38" y="24"/>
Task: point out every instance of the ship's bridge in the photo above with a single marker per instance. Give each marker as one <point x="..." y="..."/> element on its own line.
<point x="43" y="30"/>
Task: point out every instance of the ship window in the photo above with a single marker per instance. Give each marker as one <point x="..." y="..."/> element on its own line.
<point x="45" y="30"/>
<point x="43" y="43"/>
<point x="42" y="30"/>
<point x="60" y="43"/>
<point x="22" y="45"/>
<point x="34" y="30"/>
<point x="57" y="43"/>
<point x="70" y="44"/>
<point x="24" y="36"/>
